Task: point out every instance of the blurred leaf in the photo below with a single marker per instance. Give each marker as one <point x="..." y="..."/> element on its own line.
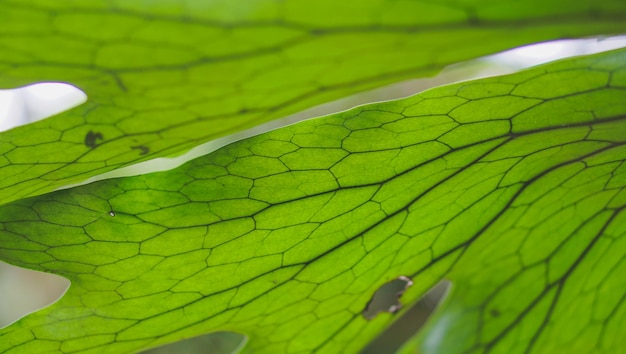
<point x="164" y="76"/>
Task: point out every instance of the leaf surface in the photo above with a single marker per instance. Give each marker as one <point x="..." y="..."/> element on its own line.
<point x="512" y="187"/>
<point x="164" y="76"/>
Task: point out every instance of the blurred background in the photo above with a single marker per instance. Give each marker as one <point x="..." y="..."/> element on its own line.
<point x="23" y="291"/>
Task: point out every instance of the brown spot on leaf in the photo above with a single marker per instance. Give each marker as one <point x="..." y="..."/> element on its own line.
<point x="143" y="150"/>
<point x="91" y="139"/>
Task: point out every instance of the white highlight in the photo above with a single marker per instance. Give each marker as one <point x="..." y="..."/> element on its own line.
<point x="31" y="103"/>
<point x="535" y="54"/>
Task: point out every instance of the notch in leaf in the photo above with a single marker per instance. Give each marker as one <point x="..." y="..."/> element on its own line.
<point x="387" y="297"/>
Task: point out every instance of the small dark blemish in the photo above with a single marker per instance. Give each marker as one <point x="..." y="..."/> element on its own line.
<point x="318" y="31"/>
<point x="494" y="313"/>
<point x="112" y="213"/>
<point x="143" y="149"/>
<point x="91" y="139"/>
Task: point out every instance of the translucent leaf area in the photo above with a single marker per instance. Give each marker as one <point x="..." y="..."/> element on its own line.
<point x="164" y="76"/>
<point x="511" y="187"/>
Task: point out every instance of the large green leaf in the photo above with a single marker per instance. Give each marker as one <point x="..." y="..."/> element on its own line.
<point x="512" y="187"/>
<point x="163" y="76"/>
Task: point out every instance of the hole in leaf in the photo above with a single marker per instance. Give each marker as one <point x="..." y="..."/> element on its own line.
<point x="31" y="103"/>
<point x="24" y="291"/>
<point x="214" y="343"/>
<point x="387" y="297"/>
<point x="411" y="321"/>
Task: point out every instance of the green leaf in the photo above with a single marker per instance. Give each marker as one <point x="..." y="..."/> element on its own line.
<point x="164" y="76"/>
<point x="512" y="187"/>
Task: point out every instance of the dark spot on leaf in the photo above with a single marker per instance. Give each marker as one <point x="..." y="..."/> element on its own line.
<point x="91" y="139"/>
<point x="494" y="313"/>
<point x="387" y="297"/>
<point x="318" y="31"/>
<point x="143" y="150"/>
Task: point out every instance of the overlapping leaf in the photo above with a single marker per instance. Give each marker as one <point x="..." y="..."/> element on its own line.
<point x="164" y="76"/>
<point x="512" y="187"/>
